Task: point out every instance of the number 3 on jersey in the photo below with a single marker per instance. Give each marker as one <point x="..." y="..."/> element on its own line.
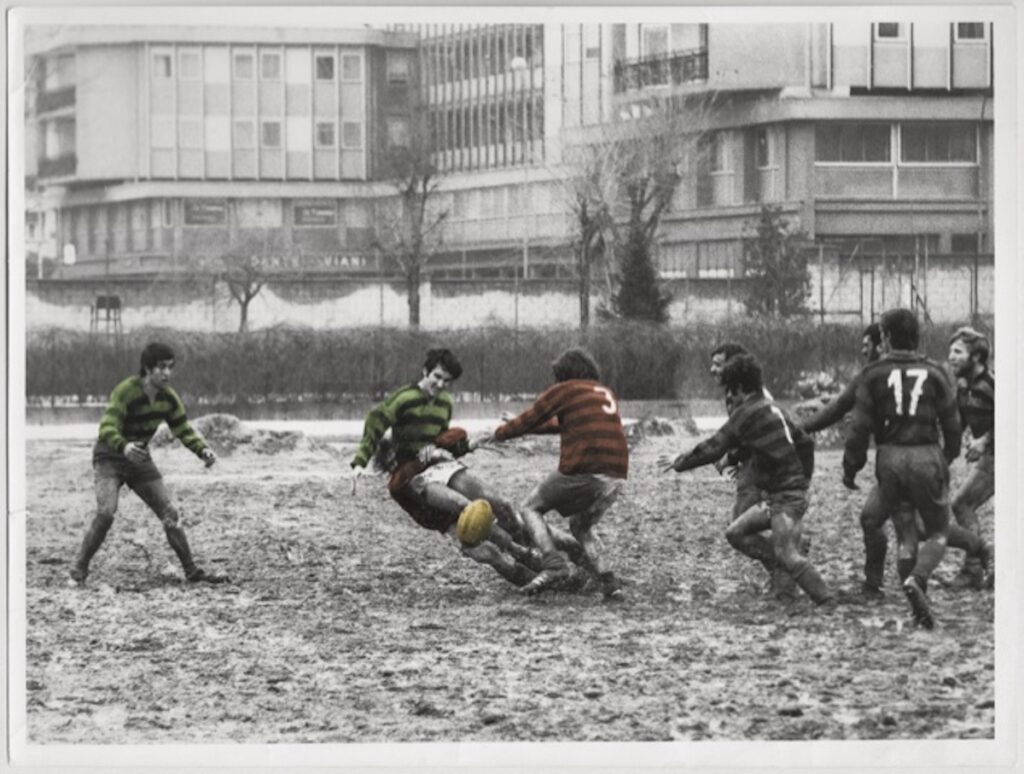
<point x="896" y="376"/>
<point x="610" y="406"/>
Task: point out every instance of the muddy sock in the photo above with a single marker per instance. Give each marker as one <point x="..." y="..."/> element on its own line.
<point x="176" y="537"/>
<point x="875" y="548"/>
<point x="811" y="582"/>
<point x="904" y="567"/>
<point x="91" y="543"/>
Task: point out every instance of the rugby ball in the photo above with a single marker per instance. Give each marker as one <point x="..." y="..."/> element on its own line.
<point x="474" y="523"/>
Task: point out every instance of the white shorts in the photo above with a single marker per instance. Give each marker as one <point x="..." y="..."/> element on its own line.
<point x="441" y="473"/>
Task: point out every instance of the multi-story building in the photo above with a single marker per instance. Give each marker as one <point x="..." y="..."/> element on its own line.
<point x="171" y="144"/>
<point x="877" y="138"/>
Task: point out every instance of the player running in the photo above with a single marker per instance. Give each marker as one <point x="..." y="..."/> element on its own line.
<point x="592" y="468"/>
<point x="782" y="458"/>
<point x="427" y="480"/>
<point x="907" y="401"/>
<point x="120" y="456"/>
<point x="968" y="357"/>
<point x="872" y="515"/>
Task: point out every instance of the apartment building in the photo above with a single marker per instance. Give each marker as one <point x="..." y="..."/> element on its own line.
<point x="173" y="144"/>
<point x="876" y="138"/>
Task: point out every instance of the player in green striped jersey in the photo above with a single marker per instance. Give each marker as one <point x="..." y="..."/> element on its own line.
<point x="137" y="407"/>
<point x="427" y="481"/>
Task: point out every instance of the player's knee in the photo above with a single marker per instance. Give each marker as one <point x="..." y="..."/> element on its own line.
<point x="734" y="535"/>
<point x="170" y="517"/>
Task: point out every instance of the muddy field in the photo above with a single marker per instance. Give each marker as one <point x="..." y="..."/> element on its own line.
<point x="347" y="623"/>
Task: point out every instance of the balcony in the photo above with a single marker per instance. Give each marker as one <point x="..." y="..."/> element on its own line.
<point x="62" y="166"/>
<point x="662" y="70"/>
<point x="55" y="100"/>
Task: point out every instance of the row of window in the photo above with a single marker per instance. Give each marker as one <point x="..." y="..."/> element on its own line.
<point x="220" y="133"/>
<point x="961" y="31"/>
<point x="945" y="143"/>
<point x="861" y="143"/>
<point x="480" y="53"/>
<point x="190" y="65"/>
<point x="487" y="123"/>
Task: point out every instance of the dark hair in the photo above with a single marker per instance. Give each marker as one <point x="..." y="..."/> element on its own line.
<point x="902" y="327"/>
<point x="873" y="332"/>
<point x="444" y="358"/>
<point x="153" y="354"/>
<point x="729" y="350"/>
<point x="976" y="341"/>
<point x="742" y="374"/>
<point x="575" y="363"/>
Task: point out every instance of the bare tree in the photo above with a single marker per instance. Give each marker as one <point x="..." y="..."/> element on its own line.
<point x="622" y="177"/>
<point x="409" y="227"/>
<point x="241" y="267"/>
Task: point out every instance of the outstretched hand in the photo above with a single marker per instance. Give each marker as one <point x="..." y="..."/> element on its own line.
<point x="208" y="457"/>
<point x="665" y="463"/>
<point x="355" y="474"/>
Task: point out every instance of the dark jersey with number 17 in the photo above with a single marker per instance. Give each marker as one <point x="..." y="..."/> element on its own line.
<point x="903" y="399"/>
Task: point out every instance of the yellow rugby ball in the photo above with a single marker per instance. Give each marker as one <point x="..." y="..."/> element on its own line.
<point x="474" y="523"/>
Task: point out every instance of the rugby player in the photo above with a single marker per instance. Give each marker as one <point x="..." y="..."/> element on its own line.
<point x="968" y="358"/>
<point x="427" y="480"/>
<point x="120" y="456"/>
<point x="907" y="402"/>
<point x="782" y="459"/>
<point x="592" y="468"/>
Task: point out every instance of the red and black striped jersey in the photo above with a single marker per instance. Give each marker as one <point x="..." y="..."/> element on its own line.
<point x="760" y="427"/>
<point x="589" y="423"/>
<point x="903" y="399"/>
<point x="976" y="399"/>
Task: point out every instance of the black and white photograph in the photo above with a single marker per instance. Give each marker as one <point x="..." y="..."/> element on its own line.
<point x="512" y="388"/>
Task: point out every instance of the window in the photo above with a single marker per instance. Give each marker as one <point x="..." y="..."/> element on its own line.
<point x="654" y="40"/>
<point x="325" y="67"/>
<point x="189" y="65"/>
<point x="351" y="135"/>
<point x="206" y="212"/>
<point x="270" y="134"/>
<point x="763" y="149"/>
<point x="270" y="66"/>
<point x="315" y="214"/>
<point x="397" y="67"/>
<point x="970" y="31"/>
<point x="162" y="66"/>
<point x="351" y="67"/>
<point x="949" y="143"/>
<point x="852" y="143"/>
<point x="964" y="243"/>
<point x="167" y="213"/>
<point x="243" y="66"/>
<point x="325" y="134"/>
<point x="397" y="131"/>
<point x="888" y="31"/>
<point x="244" y="134"/>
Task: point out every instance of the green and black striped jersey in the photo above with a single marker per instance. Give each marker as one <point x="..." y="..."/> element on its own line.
<point x="131" y="417"/>
<point x="415" y="420"/>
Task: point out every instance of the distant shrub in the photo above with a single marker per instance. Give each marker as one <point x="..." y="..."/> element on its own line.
<point x="638" y="360"/>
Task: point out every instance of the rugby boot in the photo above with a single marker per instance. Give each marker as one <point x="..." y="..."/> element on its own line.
<point x="987" y="557"/>
<point x="871" y="593"/>
<point x="611" y="587"/>
<point x="199" y="575"/>
<point x="555" y="570"/>
<point x="918" y="603"/>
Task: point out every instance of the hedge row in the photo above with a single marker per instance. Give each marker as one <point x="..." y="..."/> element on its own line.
<point x="283" y="363"/>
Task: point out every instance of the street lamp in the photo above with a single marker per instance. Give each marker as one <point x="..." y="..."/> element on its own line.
<point x="518" y="65"/>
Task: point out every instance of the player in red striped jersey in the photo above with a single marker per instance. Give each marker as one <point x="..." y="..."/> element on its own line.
<point x="592" y="468"/>
<point x="783" y="461"/>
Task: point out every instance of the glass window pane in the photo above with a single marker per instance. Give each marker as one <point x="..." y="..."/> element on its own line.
<point x="325" y="67"/>
<point x="271" y="134"/>
<point x="352" y="135"/>
<point x="270" y="66"/>
<point x="351" y="67"/>
<point x="914" y="143"/>
<point x="243" y="67"/>
<point x="826" y="143"/>
<point x="876" y="142"/>
<point x="325" y="134"/>
<point x="888" y="30"/>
